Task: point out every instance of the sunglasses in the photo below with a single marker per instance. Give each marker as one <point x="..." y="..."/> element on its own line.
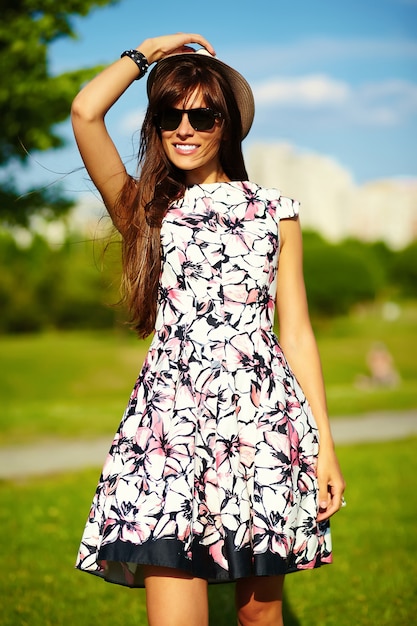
<point x="200" y="119"/>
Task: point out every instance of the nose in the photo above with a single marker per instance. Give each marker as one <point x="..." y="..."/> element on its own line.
<point x="185" y="128"/>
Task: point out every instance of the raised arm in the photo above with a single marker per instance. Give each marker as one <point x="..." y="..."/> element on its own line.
<point x="300" y="348"/>
<point x="90" y="106"/>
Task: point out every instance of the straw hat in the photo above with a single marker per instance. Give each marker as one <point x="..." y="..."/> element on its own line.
<point x="240" y="86"/>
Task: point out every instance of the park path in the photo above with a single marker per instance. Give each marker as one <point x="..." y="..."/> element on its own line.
<point x="57" y="455"/>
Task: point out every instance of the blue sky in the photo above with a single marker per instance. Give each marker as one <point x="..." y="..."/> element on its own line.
<point x="332" y="77"/>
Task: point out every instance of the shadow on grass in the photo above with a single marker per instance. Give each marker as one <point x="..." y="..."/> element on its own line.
<point x="222" y="607"/>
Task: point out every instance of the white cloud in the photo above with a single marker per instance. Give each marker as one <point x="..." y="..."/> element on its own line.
<point x="383" y="103"/>
<point x="310" y="91"/>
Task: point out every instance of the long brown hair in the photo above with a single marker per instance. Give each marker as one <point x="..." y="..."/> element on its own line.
<point x="144" y="202"/>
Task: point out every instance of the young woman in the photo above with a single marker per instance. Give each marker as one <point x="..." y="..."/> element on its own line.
<point x="219" y="471"/>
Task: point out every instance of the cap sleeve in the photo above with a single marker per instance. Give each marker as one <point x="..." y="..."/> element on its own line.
<point x="287" y="207"/>
<point x="283" y="207"/>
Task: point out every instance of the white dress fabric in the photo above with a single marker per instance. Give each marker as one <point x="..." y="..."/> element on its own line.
<point x="213" y="468"/>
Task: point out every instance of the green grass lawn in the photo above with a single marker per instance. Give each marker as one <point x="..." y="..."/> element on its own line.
<point x="66" y="384"/>
<point x="344" y="344"/>
<point x="77" y="384"/>
<point x="372" y="580"/>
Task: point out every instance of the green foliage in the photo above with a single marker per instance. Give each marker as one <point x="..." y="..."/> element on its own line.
<point x="17" y="209"/>
<point x="372" y="580"/>
<point x="32" y="101"/>
<point x="60" y="287"/>
<point x="339" y="276"/>
<point x="404" y="270"/>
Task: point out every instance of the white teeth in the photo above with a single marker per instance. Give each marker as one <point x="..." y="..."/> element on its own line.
<point x="185" y="148"/>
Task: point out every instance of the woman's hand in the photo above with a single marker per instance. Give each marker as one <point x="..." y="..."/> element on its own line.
<point x="330" y="482"/>
<point x="157" y="48"/>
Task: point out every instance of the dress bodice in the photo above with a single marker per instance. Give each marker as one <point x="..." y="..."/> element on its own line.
<point x="220" y="246"/>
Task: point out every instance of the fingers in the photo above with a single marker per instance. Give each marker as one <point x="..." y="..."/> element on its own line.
<point x="330" y="501"/>
<point x="331" y="484"/>
<point x="157" y="48"/>
<point x="199" y="39"/>
<point x="324" y="500"/>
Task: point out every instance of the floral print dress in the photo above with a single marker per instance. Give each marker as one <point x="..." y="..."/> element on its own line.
<point x="213" y="468"/>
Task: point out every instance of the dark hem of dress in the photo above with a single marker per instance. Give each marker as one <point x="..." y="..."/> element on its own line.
<point x="116" y="560"/>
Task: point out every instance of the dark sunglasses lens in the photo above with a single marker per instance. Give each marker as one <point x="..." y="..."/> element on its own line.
<point x="201" y="119"/>
<point x="170" y="119"/>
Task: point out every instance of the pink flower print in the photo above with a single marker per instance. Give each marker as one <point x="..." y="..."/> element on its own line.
<point x="184" y="391"/>
<point x="242" y="536"/>
<point x="234" y="509"/>
<point x="268" y="536"/>
<point x="273" y="465"/>
<point x="205" y="389"/>
<point x="238" y="239"/>
<point x="165" y="528"/>
<point x="173" y="302"/>
<point x="213" y="534"/>
<point x="194" y="265"/>
<point x="147" y="374"/>
<point x="266" y="302"/>
<point x="169" y="450"/>
<point x="130" y="452"/>
<point x="239" y="303"/>
<point x="254" y="205"/>
<point x="239" y="350"/>
<point x="246" y="447"/>
<point x="272" y="206"/>
<point x="209" y="219"/>
<point x="201" y="478"/>
<point x="239" y="296"/>
<point x="135" y="522"/>
<point x="271" y="267"/>
<point x="161" y="403"/>
<point x="142" y="438"/>
<point x="209" y="525"/>
<point x="227" y="450"/>
<point x="307" y="477"/>
<point x="306" y="554"/>
<point x="241" y="353"/>
<point x="293" y="408"/>
<point x="178" y="506"/>
<point x="132" y="532"/>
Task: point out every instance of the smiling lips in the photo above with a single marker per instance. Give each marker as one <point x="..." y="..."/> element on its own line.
<point x="186" y="148"/>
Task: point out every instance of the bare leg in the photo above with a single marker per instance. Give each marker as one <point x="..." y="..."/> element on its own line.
<point x="175" y="598"/>
<point x="259" y="601"/>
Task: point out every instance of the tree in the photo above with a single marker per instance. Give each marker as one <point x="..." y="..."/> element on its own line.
<point x="32" y="101"/>
<point x="338" y="276"/>
<point x="404" y="271"/>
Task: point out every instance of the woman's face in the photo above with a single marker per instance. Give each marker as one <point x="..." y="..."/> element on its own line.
<point x="195" y="152"/>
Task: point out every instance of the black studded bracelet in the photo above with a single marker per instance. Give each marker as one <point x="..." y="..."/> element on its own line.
<point x="138" y="58"/>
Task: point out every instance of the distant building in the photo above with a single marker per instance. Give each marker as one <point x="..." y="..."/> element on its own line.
<point x="331" y="202"/>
